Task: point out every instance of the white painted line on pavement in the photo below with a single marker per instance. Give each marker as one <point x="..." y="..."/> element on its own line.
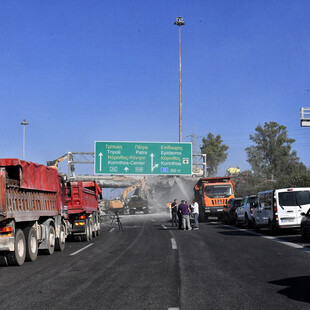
<point x="111" y="229"/>
<point x="164" y="227"/>
<point x="153" y="220"/>
<point x="82" y="249"/>
<point x="290" y="244"/>
<point x="173" y="244"/>
<point x="174" y="308"/>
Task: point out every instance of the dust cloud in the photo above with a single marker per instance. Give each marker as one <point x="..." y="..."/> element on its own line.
<point x="162" y="189"/>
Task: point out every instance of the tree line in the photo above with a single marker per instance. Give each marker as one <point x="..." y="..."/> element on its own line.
<point x="273" y="161"/>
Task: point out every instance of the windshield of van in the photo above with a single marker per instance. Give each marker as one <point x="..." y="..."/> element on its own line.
<point x="218" y="191"/>
<point x="294" y="198"/>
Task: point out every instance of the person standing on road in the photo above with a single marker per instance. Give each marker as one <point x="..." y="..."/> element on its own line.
<point x="174" y="210"/>
<point x="195" y="210"/>
<point x="185" y="211"/>
<point x="180" y="218"/>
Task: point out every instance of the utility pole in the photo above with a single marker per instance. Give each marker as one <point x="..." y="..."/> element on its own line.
<point x="24" y="124"/>
<point x="179" y="22"/>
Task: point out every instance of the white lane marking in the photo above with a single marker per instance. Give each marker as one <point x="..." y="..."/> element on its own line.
<point x="174" y="308"/>
<point x="164" y="227"/>
<point x="173" y="244"/>
<point x="111" y="230"/>
<point x="82" y="249"/>
<point x="153" y="220"/>
<point x="281" y="241"/>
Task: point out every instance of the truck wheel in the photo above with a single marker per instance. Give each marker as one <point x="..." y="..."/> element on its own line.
<point x="17" y="257"/>
<point x="61" y="241"/>
<point x="50" y="241"/>
<point x="31" y="244"/>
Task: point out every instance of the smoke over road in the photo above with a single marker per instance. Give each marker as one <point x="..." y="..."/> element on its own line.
<point x="161" y="189"/>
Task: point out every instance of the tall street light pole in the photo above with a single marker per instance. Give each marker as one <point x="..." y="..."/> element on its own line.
<point x="24" y="124"/>
<point x="179" y="22"/>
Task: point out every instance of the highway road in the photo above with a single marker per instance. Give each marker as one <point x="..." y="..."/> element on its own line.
<point x="151" y="265"/>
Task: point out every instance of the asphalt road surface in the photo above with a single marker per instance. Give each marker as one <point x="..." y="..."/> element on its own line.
<point x="151" y="265"/>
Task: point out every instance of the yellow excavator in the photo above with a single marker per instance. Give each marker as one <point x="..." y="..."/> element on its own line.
<point x="119" y="204"/>
<point x="54" y="163"/>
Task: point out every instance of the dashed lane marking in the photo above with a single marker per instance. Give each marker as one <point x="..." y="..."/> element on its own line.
<point x="281" y="241"/>
<point x="82" y="249"/>
<point x="174" y="308"/>
<point x="153" y="220"/>
<point x="173" y="244"/>
<point x="164" y="227"/>
<point x="111" y="230"/>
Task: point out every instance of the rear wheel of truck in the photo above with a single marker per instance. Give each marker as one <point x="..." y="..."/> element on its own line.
<point x="31" y="244"/>
<point x="61" y="241"/>
<point x="17" y="258"/>
<point x="51" y="237"/>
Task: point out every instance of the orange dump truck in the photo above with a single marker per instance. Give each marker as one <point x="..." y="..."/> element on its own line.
<point x="32" y="210"/>
<point x="212" y="194"/>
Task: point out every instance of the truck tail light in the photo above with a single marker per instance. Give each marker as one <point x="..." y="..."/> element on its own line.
<point x="5" y="230"/>
<point x="79" y="223"/>
<point x="82" y="217"/>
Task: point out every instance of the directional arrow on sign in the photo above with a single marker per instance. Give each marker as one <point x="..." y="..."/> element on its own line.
<point x="152" y="162"/>
<point x="100" y="161"/>
<point x="126" y="169"/>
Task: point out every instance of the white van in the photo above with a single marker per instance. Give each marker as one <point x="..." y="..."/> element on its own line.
<point x="280" y="208"/>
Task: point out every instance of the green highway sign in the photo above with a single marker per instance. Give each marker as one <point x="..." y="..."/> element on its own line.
<point x="143" y="158"/>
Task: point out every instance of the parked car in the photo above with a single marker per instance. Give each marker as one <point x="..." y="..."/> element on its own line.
<point x="229" y="214"/>
<point x="245" y="210"/>
<point x="305" y="225"/>
<point x="281" y="208"/>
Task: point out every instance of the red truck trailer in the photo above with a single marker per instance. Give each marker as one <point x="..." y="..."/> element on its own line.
<point x="83" y="209"/>
<point x="32" y="210"/>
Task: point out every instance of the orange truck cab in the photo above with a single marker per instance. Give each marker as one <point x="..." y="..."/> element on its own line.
<point x="212" y="194"/>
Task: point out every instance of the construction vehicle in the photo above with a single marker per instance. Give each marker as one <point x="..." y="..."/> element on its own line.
<point x="83" y="214"/>
<point x="212" y="194"/>
<point x="54" y="163"/>
<point x="32" y="211"/>
<point x="123" y="205"/>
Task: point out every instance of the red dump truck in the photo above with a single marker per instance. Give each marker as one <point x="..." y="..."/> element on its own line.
<point x="38" y="210"/>
<point x="83" y="218"/>
<point x="32" y="210"/>
<point x="212" y="194"/>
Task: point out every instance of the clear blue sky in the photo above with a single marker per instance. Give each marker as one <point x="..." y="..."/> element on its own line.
<point x="81" y="71"/>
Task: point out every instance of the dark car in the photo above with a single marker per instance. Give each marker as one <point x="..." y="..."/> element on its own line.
<point x="229" y="212"/>
<point x="305" y="226"/>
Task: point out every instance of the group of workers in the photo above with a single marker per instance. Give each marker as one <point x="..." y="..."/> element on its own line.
<point x="181" y="214"/>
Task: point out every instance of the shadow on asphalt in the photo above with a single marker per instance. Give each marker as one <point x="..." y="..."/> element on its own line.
<point x="297" y="288"/>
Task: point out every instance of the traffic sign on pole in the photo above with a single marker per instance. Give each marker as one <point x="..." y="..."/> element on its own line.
<point x="146" y="158"/>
